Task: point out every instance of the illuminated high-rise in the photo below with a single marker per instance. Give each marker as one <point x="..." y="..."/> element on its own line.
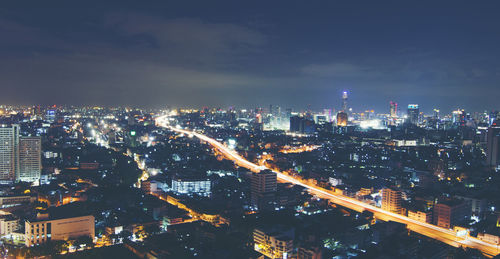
<point x="30" y="159"/>
<point x="9" y="158"/>
<point x="391" y="200"/>
<point x="394" y="109"/>
<point x="342" y="119"/>
<point x="344" y="101"/>
<point x="20" y="157"/>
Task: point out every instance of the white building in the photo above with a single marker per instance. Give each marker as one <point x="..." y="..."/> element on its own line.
<point x="9" y="163"/>
<point x="20" y="157"/>
<point x="190" y="186"/>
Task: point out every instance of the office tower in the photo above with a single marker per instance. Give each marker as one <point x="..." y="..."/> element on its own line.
<point x="344" y="101"/>
<point x="394" y="109"/>
<point x="413" y="113"/>
<point x="50" y="115"/>
<point x="30" y="159"/>
<point x="493" y="145"/>
<point x="263" y="189"/>
<point x="391" y="200"/>
<point x="302" y="125"/>
<point x="342" y="119"/>
<point x="328" y="114"/>
<point x="9" y="159"/>
<point x="288" y="113"/>
<point x="493" y="116"/>
<point x="449" y="213"/>
<point x="458" y="117"/>
<point x="436" y="114"/>
<point x="295" y="123"/>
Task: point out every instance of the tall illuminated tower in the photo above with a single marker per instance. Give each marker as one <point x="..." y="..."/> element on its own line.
<point x="394" y="109"/>
<point x="9" y="152"/>
<point x="344" y="101"/>
<point x="30" y="159"/>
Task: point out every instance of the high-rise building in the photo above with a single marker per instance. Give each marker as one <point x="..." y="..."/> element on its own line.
<point x="344" y="101"/>
<point x="413" y="114"/>
<point x="391" y="200"/>
<point x="436" y="114"/>
<point x="9" y="158"/>
<point x="493" y="145"/>
<point x="302" y="125"/>
<point x="30" y="159"/>
<point x="263" y="189"/>
<point x="341" y="119"/>
<point x="394" y="109"/>
<point x="20" y="157"/>
<point x="295" y="122"/>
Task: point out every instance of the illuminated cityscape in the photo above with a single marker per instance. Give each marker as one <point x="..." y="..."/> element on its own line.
<point x="221" y="130"/>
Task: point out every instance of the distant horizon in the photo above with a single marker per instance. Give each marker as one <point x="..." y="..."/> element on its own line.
<point x="401" y="110"/>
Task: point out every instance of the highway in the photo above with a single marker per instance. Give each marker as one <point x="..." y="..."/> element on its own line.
<point x="444" y="235"/>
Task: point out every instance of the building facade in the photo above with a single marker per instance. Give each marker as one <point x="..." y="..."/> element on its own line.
<point x="391" y="200"/>
<point x="450" y="213"/>
<point x="20" y="157"/>
<point x="190" y="186"/>
<point x="493" y="145"/>
<point x="41" y="231"/>
<point x="9" y="162"/>
<point x="263" y="189"/>
<point x="30" y="159"/>
<point x="273" y="244"/>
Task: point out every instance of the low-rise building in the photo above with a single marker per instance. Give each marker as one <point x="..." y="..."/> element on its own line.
<point x="420" y="215"/>
<point x="8" y="224"/>
<point x="10" y="201"/>
<point x="451" y="212"/>
<point x="274" y="243"/>
<point x="191" y="185"/>
<point x="42" y="230"/>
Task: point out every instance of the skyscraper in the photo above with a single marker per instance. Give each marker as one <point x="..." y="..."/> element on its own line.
<point x="342" y="119"/>
<point x="30" y="159"/>
<point x="391" y="200"/>
<point x="9" y="159"/>
<point x="493" y="145"/>
<point x="344" y="101"/>
<point x="413" y="114"/>
<point x="394" y="109"/>
<point x="20" y="157"/>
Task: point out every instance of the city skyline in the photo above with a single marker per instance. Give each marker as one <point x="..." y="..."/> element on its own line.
<point x="223" y="54"/>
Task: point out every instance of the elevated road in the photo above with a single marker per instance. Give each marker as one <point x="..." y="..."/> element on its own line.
<point x="447" y="236"/>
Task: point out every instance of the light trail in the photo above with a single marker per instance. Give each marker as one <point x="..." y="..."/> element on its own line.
<point x="442" y="234"/>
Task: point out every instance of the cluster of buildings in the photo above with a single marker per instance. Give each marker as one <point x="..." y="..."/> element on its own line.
<point x="181" y="184"/>
<point x="20" y="156"/>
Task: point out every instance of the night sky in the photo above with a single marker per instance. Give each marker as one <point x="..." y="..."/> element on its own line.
<point x="439" y="54"/>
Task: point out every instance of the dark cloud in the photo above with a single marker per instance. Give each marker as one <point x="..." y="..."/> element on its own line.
<point x="221" y="54"/>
